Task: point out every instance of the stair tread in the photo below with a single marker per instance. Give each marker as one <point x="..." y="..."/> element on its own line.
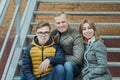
<point x="113" y="78"/>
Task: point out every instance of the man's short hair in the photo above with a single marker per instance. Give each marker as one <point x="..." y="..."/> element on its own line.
<point x="59" y="13"/>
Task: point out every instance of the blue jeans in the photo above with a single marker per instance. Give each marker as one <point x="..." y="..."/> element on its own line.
<point x="72" y="70"/>
<point x="58" y="73"/>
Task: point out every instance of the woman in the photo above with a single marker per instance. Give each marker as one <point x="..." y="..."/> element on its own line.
<point x="95" y="57"/>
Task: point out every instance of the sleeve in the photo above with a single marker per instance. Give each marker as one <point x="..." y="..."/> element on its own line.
<point x="59" y="58"/>
<point x="78" y="49"/>
<point x="101" y="55"/>
<point x="27" y="65"/>
<point x="53" y="33"/>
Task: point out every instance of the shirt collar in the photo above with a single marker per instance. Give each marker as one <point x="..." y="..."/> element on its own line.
<point x="91" y="40"/>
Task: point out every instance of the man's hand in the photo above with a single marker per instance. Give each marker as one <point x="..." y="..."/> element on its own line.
<point x="44" y="65"/>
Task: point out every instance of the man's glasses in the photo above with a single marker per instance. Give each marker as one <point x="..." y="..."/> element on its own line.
<point x="43" y="33"/>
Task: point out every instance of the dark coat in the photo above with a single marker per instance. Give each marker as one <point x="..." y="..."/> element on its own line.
<point x="27" y="65"/>
<point x="71" y="42"/>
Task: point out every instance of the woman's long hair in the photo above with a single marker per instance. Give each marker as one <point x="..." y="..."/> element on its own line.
<point x="92" y="25"/>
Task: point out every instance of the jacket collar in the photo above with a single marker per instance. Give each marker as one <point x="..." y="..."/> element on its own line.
<point x="36" y="42"/>
<point x="91" y="40"/>
<point x="66" y="32"/>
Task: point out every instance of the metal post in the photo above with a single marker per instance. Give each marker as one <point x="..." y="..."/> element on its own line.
<point x="18" y="2"/>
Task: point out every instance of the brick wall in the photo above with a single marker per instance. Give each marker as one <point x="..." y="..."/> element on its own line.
<point x="85" y="7"/>
<point x="72" y="18"/>
<point x="9" y="16"/>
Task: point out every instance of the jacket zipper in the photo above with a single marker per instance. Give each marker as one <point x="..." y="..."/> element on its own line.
<point x="43" y="53"/>
<point x="42" y="57"/>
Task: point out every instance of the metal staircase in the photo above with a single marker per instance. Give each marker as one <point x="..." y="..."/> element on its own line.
<point x="12" y="68"/>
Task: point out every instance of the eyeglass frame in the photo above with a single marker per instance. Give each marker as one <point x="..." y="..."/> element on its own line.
<point x="46" y="33"/>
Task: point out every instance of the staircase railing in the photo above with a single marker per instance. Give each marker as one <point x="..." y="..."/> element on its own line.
<point x="12" y="64"/>
<point x="16" y="17"/>
<point x="3" y="9"/>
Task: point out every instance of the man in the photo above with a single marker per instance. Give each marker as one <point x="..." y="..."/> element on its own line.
<point x="72" y="44"/>
<point x="42" y="59"/>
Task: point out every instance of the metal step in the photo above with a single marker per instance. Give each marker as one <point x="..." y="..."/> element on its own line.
<point x="113" y="78"/>
<point x="78" y="13"/>
<point x="81" y="1"/>
<point x="114" y="64"/>
<point x="78" y="24"/>
<point x="113" y="49"/>
<point x="102" y="36"/>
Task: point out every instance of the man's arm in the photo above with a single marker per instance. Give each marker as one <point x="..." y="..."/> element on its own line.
<point x="78" y="49"/>
<point x="59" y="58"/>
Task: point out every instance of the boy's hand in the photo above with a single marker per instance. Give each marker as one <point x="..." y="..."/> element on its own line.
<point x="44" y="65"/>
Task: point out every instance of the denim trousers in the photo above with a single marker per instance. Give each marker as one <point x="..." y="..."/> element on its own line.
<point x="58" y="73"/>
<point x="72" y="70"/>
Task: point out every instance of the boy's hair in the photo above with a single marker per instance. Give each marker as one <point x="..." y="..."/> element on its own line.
<point x="42" y="24"/>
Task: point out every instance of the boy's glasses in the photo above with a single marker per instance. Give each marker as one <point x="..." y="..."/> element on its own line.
<point x="43" y="33"/>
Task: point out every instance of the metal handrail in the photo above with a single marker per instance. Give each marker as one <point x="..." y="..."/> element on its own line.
<point x="3" y="9"/>
<point x="17" y="17"/>
<point x="25" y="12"/>
<point x="9" y="31"/>
<point x="13" y="67"/>
<point x="10" y="57"/>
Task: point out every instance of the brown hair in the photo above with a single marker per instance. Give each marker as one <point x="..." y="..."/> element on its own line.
<point x="42" y="24"/>
<point x="92" y="25"/>
<point x="59" y="13"/>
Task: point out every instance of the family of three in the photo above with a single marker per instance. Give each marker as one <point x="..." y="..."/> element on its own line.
<point x="65" y="53"/>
